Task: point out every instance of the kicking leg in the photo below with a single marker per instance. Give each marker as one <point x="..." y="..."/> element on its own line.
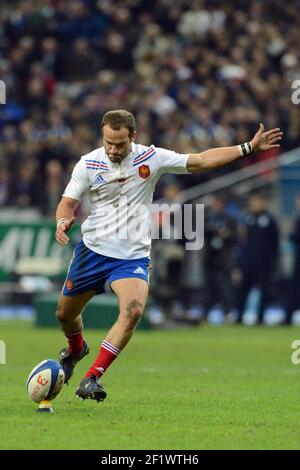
<point x="132" y="295"/>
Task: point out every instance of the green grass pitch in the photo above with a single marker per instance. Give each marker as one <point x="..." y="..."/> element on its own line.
<point x="210" y="387"/>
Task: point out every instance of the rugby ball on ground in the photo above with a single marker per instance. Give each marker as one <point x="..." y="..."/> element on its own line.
<point x="45" y="381"/>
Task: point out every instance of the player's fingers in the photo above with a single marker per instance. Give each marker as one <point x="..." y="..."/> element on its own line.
<point x="62" y="229"/>
<point x="259" y="133"/>
<point x="274" y="131"/>
<point x="275" y="139"/>
<point x="61" y="237"/>
<point x="277" y="134"/>
<point x="62" y="242"/>
<point x="261" y="128"/>
<point x="58" y="240"/>
<point x="272" y="146"/>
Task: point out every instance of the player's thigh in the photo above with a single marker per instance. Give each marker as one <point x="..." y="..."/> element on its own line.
<point x="132" y="293"/>
<point x="72" y="306"/>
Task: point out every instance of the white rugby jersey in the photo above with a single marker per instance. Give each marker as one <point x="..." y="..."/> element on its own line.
<point x="121" y="195"/>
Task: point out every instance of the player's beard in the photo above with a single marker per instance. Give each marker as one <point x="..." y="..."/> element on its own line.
<point x="116" y="158"/>
<point x="120" y="157"/>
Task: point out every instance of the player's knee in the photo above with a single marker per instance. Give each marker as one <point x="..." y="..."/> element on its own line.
<point x="134" y="311"/>
<point x="61" y="314"/>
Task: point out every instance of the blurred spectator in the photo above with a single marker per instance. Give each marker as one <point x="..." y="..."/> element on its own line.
<point x="53" y="187"/>
<point x="26" y="188"/>
<point x="259" y="255"/>
<point x="80" y="63"/>
<point x="168" y="253"/>
<point x="220" y="236"/>
<point x="4" y="186"/>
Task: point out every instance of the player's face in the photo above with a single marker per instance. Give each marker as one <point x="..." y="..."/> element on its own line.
<point x="117" y="143"/>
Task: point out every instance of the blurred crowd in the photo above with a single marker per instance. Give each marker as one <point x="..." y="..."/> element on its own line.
<point x="196" y="74"/>
<point x="241" y="263"/>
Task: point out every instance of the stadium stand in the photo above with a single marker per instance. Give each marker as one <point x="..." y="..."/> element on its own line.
<point x="196" y="74"/>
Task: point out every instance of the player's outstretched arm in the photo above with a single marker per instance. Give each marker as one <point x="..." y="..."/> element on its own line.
<point x="65" y="218"/>
<point x="221" y="156"/>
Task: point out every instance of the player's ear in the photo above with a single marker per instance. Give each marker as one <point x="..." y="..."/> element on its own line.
<point x="133" y="136"/>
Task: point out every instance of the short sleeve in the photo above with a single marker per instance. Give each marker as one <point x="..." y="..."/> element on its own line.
<point x="79" y="182"/>
<point x="172" y="162"/>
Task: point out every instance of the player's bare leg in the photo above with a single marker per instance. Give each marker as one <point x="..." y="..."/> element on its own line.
<point x="69" y="310"/>
<point x="132" y="295"/>
<point x="69" y="315"/>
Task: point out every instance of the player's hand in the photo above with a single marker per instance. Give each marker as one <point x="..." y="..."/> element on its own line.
<point x="62" y="230"/>
<point x="266" y="140"/>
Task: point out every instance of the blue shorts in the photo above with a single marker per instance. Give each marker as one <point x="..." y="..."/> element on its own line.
<point x="90" y="271"/>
